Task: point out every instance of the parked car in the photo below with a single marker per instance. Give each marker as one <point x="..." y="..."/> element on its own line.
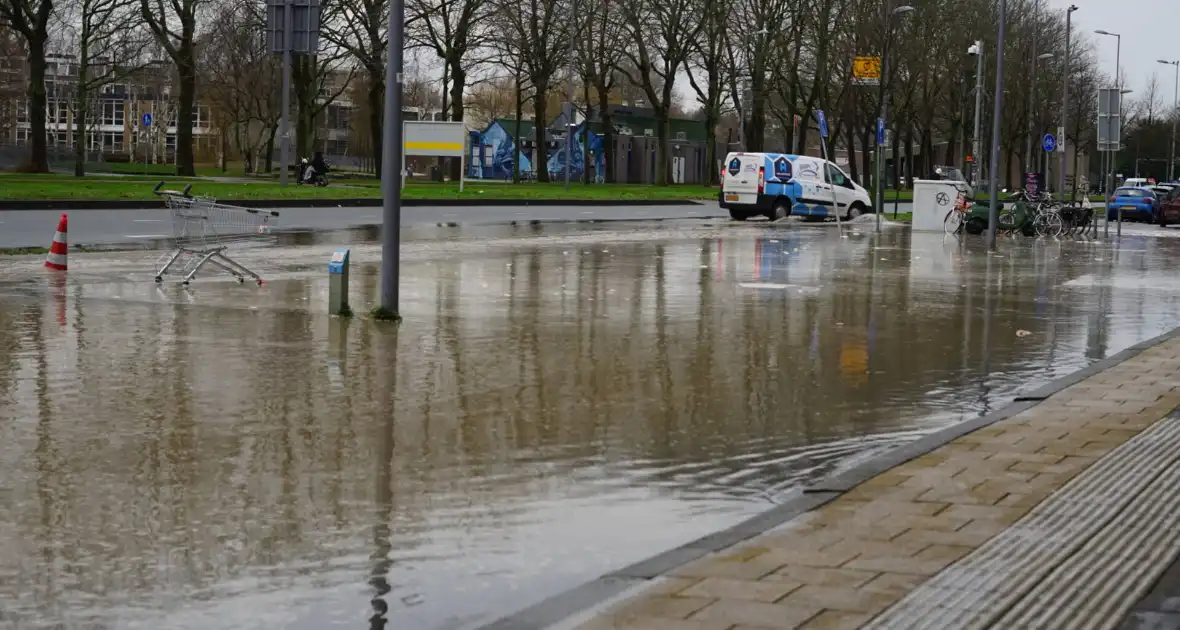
<point x="1169" y="208"/>
<point x="1135" y="202"/>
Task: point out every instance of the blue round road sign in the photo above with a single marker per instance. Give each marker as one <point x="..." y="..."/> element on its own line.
<point x="147" y="120"/>
<point x="1049" y="143"/>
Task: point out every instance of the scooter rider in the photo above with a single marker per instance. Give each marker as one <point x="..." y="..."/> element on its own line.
<point x="317" y="167"/>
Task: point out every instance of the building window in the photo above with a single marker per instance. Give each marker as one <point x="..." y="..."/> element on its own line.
<point x="489" y="156"/>
<point x="114" y="113"/>
<point x="170" y="141"/>
<point x="681" y="136"/>
<point x="22" y="136"/>
<point x="112" y="142"/>
<point x="339" y="117"/>
<point x="200" y="117"/>
<point x="22" y="111"/>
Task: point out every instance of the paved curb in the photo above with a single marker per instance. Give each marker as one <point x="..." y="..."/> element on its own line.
<point x="561" y="607"/>
<point x="364" y="202"/>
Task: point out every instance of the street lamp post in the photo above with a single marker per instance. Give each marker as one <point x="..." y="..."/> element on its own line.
<point x="883" y="105"/>
<point x="1065" y="69"/>
<point x="1028" y="130"/>
<point x="391" y="159"/>
<point x="1108" y="177"/>
<point x="993" y="198"/>
<point x="1175" y="115"/>
<point x="977" y="50"/>
<point x="1032" y="108"/>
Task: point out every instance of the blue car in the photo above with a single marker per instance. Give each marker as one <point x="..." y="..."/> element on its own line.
<point x="1135" y="202"/>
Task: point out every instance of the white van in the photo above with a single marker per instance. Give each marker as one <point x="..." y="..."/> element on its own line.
<point x="777" y="185"/>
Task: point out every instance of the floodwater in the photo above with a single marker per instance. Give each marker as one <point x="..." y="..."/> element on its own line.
<point x="559" y="402"/>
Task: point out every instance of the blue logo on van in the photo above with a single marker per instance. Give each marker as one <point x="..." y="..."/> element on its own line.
<point x="782" y="168"/>
<point x="735" y="166"/>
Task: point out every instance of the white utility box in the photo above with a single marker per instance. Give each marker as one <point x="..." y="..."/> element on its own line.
<point x="933" y="198"/>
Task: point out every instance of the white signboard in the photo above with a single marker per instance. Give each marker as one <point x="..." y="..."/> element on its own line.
<point x="435" y="139"/>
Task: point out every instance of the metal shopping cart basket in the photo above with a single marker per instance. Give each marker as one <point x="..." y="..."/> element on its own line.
<point x="205" y="229"/>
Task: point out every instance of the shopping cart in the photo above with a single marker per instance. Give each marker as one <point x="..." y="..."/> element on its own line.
<point x="205" y="229"/>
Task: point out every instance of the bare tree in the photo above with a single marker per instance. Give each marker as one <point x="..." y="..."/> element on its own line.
<point x="709" y="58"/>
<point x="240" y="79"/>
<point x="110" y="41"/>
<point x="540" y="28"/>
<point x="600" y="51"/>
<point x="30" y="18"/>
<point x="360" y="28"/>
<point x="660" y="33"/>
<point x="174" y="25"/>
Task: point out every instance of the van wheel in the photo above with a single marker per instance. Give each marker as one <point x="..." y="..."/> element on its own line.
<point x="739" y="215"/>
<point x="854" y="211"/>
<point x="781" y="210"/>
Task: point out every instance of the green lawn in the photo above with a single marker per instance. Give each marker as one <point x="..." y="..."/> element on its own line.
<point x="22" y="187"/>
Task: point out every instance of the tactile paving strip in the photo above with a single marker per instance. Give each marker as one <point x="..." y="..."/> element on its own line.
<point x="1079" y="560"/>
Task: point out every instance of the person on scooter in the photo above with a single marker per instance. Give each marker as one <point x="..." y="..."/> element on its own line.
<point x="317" y="167"/>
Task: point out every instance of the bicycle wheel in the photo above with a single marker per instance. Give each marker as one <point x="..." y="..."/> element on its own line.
<point x="1048" y="224"/>
<point x="953" y="222"/>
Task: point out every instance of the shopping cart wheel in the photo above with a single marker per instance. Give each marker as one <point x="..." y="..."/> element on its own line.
<point x="159" y="279"/>
<point x="241" y="280"/>
<point x="259" y="281"/>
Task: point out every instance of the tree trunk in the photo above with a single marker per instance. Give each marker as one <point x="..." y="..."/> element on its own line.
<point x="270" y="148"/>
<point x="187" y="69"/>
<point x="458" y="84"/>
<point x="224" y="141"/>
<point x="541" y="162"/>
<point x="375" y="99"/>
<point x="896" y="175"/>
<point x="608" y="132"/>
<point x="516" y="139"/>
<point x="38" y="161"/>
<point x="663" y="163"/>
<point x="81" y="107"/>
<point x="586" y="134"/>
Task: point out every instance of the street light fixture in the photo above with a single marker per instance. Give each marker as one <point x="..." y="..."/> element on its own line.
<point x="1175" y="115"/>
<point x="1065" y="70"/>
<point x="883" y="106"/>
<point x="1109" y="176"/>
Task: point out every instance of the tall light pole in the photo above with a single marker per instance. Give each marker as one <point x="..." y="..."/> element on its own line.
<point x="1065" y="70"/>
<point x="1028" y="131"/>
<point x="1032" y="108"/>
<point x="883" y="104"/>
<point x="1118" y="84"/>
<point x="391" y="159"/>
<point x="993" y="198"/>
<point x="1175" y="115"/>
<point x="570" y="115"/>
<point x="977" y="50"/>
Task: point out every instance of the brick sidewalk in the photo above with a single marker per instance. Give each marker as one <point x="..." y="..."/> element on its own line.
<point x="843" y="564"/>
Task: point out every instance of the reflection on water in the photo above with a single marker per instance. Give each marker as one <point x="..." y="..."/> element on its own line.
<point x="223" y="456"/>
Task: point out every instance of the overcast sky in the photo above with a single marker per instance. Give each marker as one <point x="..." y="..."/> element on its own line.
<point x="1150" y="30"/>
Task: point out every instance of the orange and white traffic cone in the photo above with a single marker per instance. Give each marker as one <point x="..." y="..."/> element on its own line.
<point x="59" y="249"/>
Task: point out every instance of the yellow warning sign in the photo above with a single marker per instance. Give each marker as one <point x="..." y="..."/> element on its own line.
<point x="866" y="70"/>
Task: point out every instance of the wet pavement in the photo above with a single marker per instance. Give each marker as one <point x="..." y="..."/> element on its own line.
<point x="559" y="401"/>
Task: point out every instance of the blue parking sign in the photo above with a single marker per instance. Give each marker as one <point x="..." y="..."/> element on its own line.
<point x="880" y="131"/>
<point x="823" y="123"/>
<point x="147" y="119"/>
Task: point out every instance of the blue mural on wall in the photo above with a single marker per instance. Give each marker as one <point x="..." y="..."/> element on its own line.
<point x="577" y="163"/>
<point x="495" y="142"/>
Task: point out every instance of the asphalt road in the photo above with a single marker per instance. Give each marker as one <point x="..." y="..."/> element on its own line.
<point x="34" y="228"/>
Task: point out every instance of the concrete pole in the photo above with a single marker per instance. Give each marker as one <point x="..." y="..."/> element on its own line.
<point x="883" y="115"/>
<point x="975" y="148"/>
<point x="1065" y="65"/>
<point x="391" y="159"/>
<point x="569" y="119"/>
<point x="1175" y="115"/>
<point x="285" y="114"/>
<point x="993" y="211"/>
<point x="1032" y="85"/>
<point x="1118" y="84"/>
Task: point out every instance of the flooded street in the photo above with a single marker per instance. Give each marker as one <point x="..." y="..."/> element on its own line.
<point x="559" y="401"/>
